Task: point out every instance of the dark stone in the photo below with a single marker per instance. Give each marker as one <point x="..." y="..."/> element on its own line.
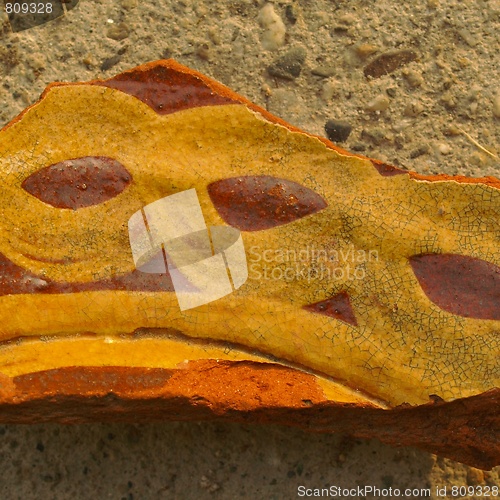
<point x="391" y="91"/>
<point x="289" y="65"/>
<point x="291" y="13"/>
<point x="388" y="62"/>
<point x="358" y="146"/>
<point x="110" y="62"/>
<point x="422" y="150"/>
<point x="375" y="135"/>
<point x="337" y="131"/>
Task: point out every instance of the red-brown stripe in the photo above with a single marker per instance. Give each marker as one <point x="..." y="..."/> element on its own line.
<point x="166" y="90"/>
<point x="386" y="170"/>
<point x="16" y="280"/>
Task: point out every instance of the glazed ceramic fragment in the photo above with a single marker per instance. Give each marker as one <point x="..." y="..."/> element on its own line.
<point x="170" y="250"/>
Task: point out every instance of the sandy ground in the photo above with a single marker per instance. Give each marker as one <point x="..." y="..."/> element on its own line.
<point x="437" y="113"/>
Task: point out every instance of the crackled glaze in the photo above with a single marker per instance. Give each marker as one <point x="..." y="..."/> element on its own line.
<point x="354" y="300"/>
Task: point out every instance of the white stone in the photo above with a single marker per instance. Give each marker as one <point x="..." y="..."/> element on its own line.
<point x="379" y="103"/>
<point x="444" y="149"/>
<point x="274" y="28"/>
<point x="330" y="89"/>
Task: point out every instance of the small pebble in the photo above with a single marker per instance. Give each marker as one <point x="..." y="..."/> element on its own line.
<point x="358" y="146"/>
<point x="389" y="62"/>
<point x="350" y="58"/>
<point x="330" y="88"/>
<point x="375" y="135"/>
<point x="444" y="149"/>
<point x="474" y="476"/>
<point x="337" y="131"/>
<point x="118" y="31"/>
<point x="324" y="70"/>
<point x="413" y="109"/>
<point x="414" y="78"/>
<point x="291" y="13"/>
<point x="267" y="90"/>
<point x="391" y="91"/>
<point x="365" y="49"/>
<point x="447" y="82"/>
<point x="399" y="141"/>
<point x="422" y="150"/>
<point x="214" y="35"/>
<point x="203" y="52"/>
<point x="35" y="62"/>
<point x="110" y="62"/>
<point x="9" y="57"/>
<point x="478" y="160"/>
<point x="274" y="28"/>
<point x="474" y="93"/>
<point x="467" y="37"/>
<point x="379" y="103"/>
<point x="448" y="99"/>
<point x="321" y="19"/>
<point x="201" y="10"/>
<point x="400" y="125"/>
<point x="288" y="66"/>
<point x="496" y="106"/>
<point x="348" y="18"/>
<point x="341" y="29"/>
<point x="452" y="130"/>
<point x="89" y="62"/>
<point x="464" y="61"/>
<point x="129" y="4"/>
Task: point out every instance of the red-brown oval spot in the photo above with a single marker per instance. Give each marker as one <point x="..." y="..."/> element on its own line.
<point x="253" y="203"/>
<point x="338" y="307"/>
<point x="462" y="285"/>
<point x="79" y="182"/>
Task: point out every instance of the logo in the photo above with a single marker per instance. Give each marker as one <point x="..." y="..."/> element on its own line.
<point x="26" y="14"/>
<point x="170" y="235"/>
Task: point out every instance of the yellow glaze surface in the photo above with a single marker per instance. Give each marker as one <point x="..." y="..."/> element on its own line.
<point x="404" y="348"/>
